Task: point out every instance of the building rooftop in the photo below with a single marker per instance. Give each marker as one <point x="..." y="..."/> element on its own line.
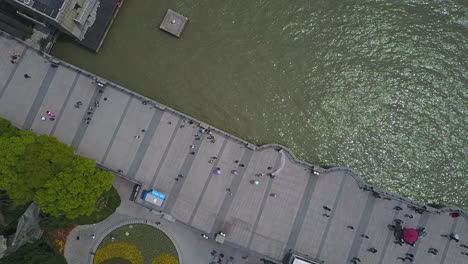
<point x="48" y="7"/>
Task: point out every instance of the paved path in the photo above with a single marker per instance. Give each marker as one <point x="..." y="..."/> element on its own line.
<point x="151" y="144"/>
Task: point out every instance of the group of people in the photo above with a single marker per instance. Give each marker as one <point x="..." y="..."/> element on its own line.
<point x="50" y="114"/>
<point x="14" y="58"/>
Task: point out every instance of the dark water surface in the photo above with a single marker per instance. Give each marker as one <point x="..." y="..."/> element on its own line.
<point x="379" y="86"/>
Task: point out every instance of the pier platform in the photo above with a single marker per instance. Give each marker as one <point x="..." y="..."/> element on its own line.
<point x="173" y="23"/>
<point x="328" y="214"/>
<point x="97" y="32"/>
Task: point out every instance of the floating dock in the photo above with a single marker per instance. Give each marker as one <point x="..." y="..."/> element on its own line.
<point x="173" y="23"/>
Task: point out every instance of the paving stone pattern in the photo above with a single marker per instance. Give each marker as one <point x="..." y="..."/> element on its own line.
<point x="163" y="149"/>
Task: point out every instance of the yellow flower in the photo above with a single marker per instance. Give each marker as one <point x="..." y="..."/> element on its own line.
<point x="165" y="259"/>
<point x="119" y="250"/>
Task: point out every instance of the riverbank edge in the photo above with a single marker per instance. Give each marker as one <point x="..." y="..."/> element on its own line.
<point x="361" y="183"/>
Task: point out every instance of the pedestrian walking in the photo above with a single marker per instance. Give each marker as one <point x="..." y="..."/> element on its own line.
<point x="372" y="250"/>
<point x="405" y="259"/>
<point x="454" y="236"/>
<point x="365" y="236"/>
<point x="398" y="208"/>
<point x="326" y="208"/>
<point x="350" y="227"/>
<point x="408" y="215"/>
<point x="433" y="251"/>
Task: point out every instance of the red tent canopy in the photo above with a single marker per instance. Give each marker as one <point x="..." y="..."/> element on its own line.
<point x="410" y="235"/>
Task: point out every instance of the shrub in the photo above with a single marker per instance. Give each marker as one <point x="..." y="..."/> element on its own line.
<point x="165" y="259"/>
<point x="119" y="250"/>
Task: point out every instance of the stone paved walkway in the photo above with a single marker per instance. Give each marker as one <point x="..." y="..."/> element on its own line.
<point x="151" y="144"/>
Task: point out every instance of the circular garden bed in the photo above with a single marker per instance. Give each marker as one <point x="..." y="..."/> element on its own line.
<point x="136" y="244"/>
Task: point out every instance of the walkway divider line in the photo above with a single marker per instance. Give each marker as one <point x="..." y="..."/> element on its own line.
<point x="264" y="200"/>
<point x="166" y="151"/>
<point x="7" y="83"/>
<point x="215" y="165"/>
<point x="116" y="130"/>
<point x="62" y="109"/>
<point x="145" y="142"/>
<point x="389" y="237"/>
<point x="301" y="212"/>
<point x="362" y="227"/>
<point x="421" y="223"/>
<point x="39" y="98"/>
<point x="332" y="214"/>
<point x="447" y="245"/>
<point x="221" y="217"/>
<point x="80" y="132"/>
<point x="184" y="170"/>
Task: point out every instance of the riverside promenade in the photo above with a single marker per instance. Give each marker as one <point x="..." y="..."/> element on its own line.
<point x="148" y="143"/>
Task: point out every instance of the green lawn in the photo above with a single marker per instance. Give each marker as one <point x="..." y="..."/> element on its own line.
<point x="151" y="241"/>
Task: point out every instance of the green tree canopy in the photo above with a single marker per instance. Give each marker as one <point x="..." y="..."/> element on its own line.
<point x="38" y="252"/>
<point x="65" y="195"/>
<point x="7" y="129"/>
<point x="41" y="162"/>
<point x="12" y="150"/>
<point x="46" y="171"/>
<point x="29" y="161"/>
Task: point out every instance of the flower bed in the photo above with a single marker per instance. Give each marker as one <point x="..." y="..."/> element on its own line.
<point x="138" y="244"/>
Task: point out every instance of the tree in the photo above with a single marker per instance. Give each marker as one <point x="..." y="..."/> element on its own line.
<point x="11" y="151"/>
<point x="28" y="162"/>
<point x="74" y="191"/>
<point x="38" y="252"/>
<point x="7" y="129"/>
<point x="41" y="162"/>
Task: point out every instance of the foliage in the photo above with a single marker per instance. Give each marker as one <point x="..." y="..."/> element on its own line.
<point x="9" y="214"/>
<point x="105" y="206"/>
<point x="42" y="161"/>
<point x="46" y="171"/>
<point x="12" y="150"/>
<point x="59" y="195"/>
<point x="149" y="240"/>
<point x="119" y="250"/>
<point x="116" y="261"/>
<point x="39" y="252"/>
<point x="165" y="259"/>
<point x="59" y="237"/>
<point x="7" y="129"/>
